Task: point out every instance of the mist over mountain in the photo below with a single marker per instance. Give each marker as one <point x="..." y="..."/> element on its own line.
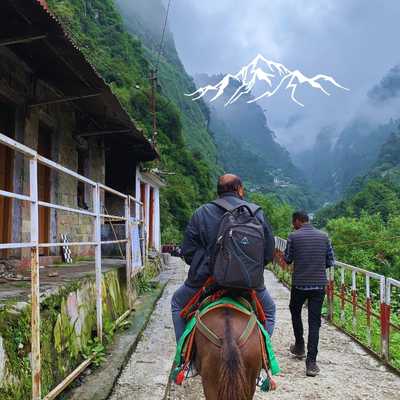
<point x="388" y="88"/>
<point x="247" y="146"/>
<point x="340" y="156"/>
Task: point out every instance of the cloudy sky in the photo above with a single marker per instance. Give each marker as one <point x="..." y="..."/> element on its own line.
<point x="355" y="41"/>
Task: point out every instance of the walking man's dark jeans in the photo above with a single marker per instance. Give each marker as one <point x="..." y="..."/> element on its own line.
<point x="315" y="300"/>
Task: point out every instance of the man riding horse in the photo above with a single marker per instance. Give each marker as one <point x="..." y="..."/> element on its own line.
<point x="199" y="245"/>
<point x="227" y="243"/>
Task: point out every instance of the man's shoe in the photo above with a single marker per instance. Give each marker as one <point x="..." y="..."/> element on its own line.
<point x="297" y="351"/>
<point x="312" y="368"/>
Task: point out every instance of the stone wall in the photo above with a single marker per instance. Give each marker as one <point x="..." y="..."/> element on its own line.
<point x="68" y="325"/>
<point x="16" y="85"/>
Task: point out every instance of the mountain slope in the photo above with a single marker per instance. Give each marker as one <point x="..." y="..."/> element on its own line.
<point x="145" y="20"/>
<point x="353" y="151"/>
<point x="378" y="191"/>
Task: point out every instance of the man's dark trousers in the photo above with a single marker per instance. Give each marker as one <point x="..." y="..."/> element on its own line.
<point x="183" y="295"/>
<point x="315" y="300"/>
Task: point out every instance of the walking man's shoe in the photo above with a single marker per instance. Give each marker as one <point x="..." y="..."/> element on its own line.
<point x="297" y="351"/>
<point x="312" y="368"/>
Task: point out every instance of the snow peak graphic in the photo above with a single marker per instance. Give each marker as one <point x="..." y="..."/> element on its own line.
<point x="275" y="75"/>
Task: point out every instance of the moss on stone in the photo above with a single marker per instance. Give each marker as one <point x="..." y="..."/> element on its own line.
<point x="68" y="326"/>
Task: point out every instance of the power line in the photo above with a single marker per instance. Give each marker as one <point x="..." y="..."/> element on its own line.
<point x="163" y="35"/>
<point x="153" y="78"/>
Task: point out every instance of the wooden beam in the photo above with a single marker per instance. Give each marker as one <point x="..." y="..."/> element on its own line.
<point x="101" y="133"/>
<point x="68" y="64"/>
<point x="20" y="39"/>
<point x="63" y="100"/>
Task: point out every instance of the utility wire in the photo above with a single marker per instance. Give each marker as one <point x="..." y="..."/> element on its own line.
<point x="163" y="36"/>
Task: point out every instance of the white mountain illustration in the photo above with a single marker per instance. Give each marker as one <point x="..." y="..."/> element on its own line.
<point x="274" y="75"/>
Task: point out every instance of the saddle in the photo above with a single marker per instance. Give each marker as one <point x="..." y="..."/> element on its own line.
<point x="210" y="298"/>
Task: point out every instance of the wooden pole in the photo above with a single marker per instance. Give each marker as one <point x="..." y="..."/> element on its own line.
<point x="128" y="252"/>
<point x="153" y="79"/>
<point x="35" y="283"/>
<point x="99" y="305"/>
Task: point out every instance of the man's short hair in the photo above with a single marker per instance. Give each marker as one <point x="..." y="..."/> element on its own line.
<point x="228" y="183"/>
<point x="300" y="215"/>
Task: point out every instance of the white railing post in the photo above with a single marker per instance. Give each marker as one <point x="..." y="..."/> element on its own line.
<point x="97" y="239"/>
<point x="354" y="298"/>
<point x="143" y="235"/>
<point x="342" y="294"/>
<point x="35" y="281"/>
<point x="330" y="292"/>
<point x="128" y="252"/>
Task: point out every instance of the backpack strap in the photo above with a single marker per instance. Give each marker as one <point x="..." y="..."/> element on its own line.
<point x="221" y="202"/>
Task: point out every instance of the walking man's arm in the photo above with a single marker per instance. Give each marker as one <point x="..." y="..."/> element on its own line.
<point x="330" y="255"/>
<point x="269" y="246"/>
<point x="289" y="253"/>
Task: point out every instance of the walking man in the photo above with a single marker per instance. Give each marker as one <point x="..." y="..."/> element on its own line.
<point x="311" y="252"/>
<point x="199" y="246"/>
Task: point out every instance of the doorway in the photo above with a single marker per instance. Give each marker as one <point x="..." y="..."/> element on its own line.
<point x="7" y="125"/>
<point x="44" y="149"/>
<point x="151" y="219"/>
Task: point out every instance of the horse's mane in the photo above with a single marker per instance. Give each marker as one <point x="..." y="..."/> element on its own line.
<point x="233" y="383"/>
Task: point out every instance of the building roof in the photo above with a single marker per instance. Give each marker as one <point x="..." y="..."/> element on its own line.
<point x="152" y="178"/>
<point x="38" y="38"/>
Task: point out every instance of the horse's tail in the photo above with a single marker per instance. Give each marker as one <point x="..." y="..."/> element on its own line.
<point x="233" y="382"/>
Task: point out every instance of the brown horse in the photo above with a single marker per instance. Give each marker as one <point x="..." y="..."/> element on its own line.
<point x="228" y="372"/>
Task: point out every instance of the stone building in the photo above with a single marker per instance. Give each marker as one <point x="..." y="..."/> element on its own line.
<point x="54" y="101"/>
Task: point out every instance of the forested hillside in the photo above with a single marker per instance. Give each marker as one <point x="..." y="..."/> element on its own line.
<point x="365" y="226"/>
<point x="98" y="29"/>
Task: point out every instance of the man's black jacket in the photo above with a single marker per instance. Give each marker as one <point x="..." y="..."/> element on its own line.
<point x="200" y="238"/>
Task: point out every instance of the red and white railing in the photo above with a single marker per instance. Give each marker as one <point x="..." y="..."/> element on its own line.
<point x="368" y="295"/>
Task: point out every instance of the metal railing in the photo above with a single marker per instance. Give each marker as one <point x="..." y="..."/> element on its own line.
<point x="34" y="245"/>
<point x="358" y="302"/>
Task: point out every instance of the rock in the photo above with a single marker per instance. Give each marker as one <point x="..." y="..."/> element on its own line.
<point x="52" y="274"/>
<point x="3" y="268"/>
<point x="21" y="305"/>
<point x="3" y="360"/>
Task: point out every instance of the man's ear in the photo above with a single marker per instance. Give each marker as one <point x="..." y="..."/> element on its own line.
<point x="241" y="192"/>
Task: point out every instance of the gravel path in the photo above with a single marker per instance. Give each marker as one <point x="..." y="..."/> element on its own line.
<point x="347" y="371"/>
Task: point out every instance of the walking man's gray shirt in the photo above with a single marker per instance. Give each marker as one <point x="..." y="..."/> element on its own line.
<point x="311" y="252"/>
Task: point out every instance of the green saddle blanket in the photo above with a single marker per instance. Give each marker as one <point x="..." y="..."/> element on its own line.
<point x="179" y="356"/>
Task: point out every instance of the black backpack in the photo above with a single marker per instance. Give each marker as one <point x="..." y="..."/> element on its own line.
<point x="238" y="259"/>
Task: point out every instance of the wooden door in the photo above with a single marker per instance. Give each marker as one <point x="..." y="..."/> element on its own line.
<point x="151" y="218"/>
<point x="143" y="199"/>
<point x="44" y="149"/>
<point x="7" y="115"/>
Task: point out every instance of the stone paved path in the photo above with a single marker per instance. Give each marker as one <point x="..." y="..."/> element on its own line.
<point x="347" y="371"/>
